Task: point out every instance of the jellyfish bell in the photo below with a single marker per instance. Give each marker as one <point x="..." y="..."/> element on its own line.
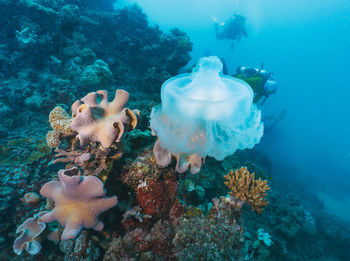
<point x="206" y="113"/>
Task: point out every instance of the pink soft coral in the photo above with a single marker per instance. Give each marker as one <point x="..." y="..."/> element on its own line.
<point x="78" y="202"/>
<point x="101" y="120"/>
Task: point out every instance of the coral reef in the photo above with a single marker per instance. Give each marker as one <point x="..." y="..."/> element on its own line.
<point x="78" y="202"/>
<point x="83" y="248"/>
<point x="142" y="244"/>
<point x="54" y="52"/>
<point x="217" y="236"/>
<point x="99" y="125"/>
<point x="245" y="188"/>
<point x="155" y="189"/>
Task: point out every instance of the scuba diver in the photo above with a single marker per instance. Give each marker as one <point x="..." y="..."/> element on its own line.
<point x="263" y="86"/>
<point x="259" y="80"/>
<point x="233" y="29"/>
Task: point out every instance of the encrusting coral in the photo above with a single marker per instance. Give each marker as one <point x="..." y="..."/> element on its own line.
<point x="245" y="188"/>
<point x="60" y="123"/>
<point x="78" y="202"/>
<point x="98" y="120"/>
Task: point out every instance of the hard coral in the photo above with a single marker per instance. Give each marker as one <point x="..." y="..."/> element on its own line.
<point x="102" y="121"/>
<point x="78" y="202"/>
<point x="157" y="197"/>
<point x="60" y="123"/>
<point x="245" y="188"/>
<point x="141" y="244"/>
<point x="155" y="188"/>
<point x="217" y="236"/>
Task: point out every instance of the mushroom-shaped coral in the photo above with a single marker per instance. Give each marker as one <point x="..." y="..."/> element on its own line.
<point x="245" y="188"/>
<point x="205" y="113"/>
<point x="98" y="120"/>
<point x="78" y="202"/>
<point x="60" y="123"/>
<point x="31" y="230"/>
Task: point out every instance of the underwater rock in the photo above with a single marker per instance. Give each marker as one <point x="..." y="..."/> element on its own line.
<point x="69" y="18"/>
<point x="87" y="57"/>
<point x="217" y="236"/>
<point x="26" y="37"/>
<point x="96" y="75"/>
<point x="35" y="102"/>
<point x="6" y="190"/>
<point x="83" y="248"/>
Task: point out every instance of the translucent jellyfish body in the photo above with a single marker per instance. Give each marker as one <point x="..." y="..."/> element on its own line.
<point x="205" y="113"/>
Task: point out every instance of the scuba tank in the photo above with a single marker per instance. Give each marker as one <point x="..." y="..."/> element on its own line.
<point x="270" y="86"/>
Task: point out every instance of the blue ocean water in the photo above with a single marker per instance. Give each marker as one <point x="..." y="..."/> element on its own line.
<point x="305" y="45"/>
<point x="171" y="200"/>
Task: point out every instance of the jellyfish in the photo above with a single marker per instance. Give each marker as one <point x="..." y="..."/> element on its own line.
<point x="204" y="113"/>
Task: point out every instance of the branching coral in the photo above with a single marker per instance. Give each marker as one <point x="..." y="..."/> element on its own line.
<point x="98" y="120"/>
<point x="245" y="188"/>
<point x="78" y="202"/>
<point x="60" y="123"/>
<point x="67" y="156"/>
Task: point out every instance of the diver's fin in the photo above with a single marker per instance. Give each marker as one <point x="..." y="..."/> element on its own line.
<point x="265" y="98"/>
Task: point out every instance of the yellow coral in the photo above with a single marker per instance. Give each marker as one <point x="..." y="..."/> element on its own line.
<point x="245" y="187"/>
<point x="194" y="212"/>
<point x="60" y="123"/>
<point x="52" y="139"/>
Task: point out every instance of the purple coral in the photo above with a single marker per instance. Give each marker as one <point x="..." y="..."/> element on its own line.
<point x="78" y="202"/>
<point x="102" y="121"/>
<point x="30" y="231"/>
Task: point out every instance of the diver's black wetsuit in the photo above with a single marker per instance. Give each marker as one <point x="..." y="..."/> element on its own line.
<point x="233" y="29"/>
